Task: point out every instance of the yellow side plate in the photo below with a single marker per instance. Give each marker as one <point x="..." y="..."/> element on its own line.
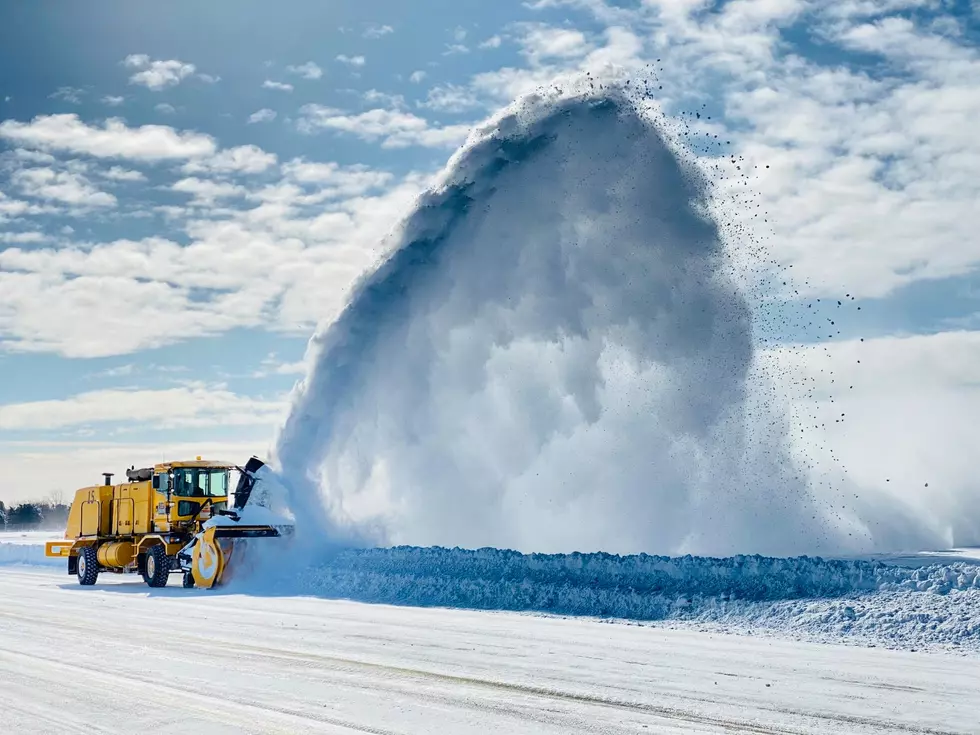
<point x="58" y="548"/>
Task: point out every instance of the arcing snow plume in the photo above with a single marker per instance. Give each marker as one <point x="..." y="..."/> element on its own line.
<point x="555" y="357"/>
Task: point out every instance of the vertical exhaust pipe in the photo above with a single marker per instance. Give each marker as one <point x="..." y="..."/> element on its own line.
<point x="108" y="478"/>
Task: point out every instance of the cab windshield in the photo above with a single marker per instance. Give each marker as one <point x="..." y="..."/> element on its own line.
<point x="198" y="481"/>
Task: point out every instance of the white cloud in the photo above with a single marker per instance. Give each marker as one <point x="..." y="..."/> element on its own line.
<point x="394" y="128"/>
<point x="166" y="108"/>
<point x="208" y="78"/>
<point x="492" y="42"/>
<point x="459" y="34"/>
<point x="542" y="42"/>
<point x="417" y="76"/>
<point x="284" y="263"/>
<point x="113" y="101"/>
<point x="57" y="465"/>
<point x="117" y="372"/>
<point x="308" y="70"/>
<point x="455" y="48"/>
<point x="263" y="115"/>
<point x="22" y="155"/>
<point x="243" y="159"/>
<point x="114" y="140"/>
<point x="117" y="173"/>
<point x="207" y="192"/>
<point x="281" y="86"/>
<point x="194" y="405"/>
<point x="68" y="94"/>
<point x="336" y="180"/>
<point x="351" y="60"/>
<point x="376" y="31"/>
<point x="452" y="98"/>
<point x="12" y="209"/>
<point x="271" y="365"/>
<point x="376" y="97"/>
<point x="60" y="186"/>
<point x="156" y="74"/>
<point x="22" y="237"/>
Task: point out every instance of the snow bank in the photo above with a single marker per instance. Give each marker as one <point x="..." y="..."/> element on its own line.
<point x="868" y="602"/>
<point x="607" y="584"/>
<point x="27" y="551"/>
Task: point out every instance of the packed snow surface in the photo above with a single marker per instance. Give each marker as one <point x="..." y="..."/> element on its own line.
<point x="273" y="664"/>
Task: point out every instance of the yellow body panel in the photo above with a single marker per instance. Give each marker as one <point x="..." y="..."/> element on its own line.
<point x="143" y="526"/>
<point x="124" y="520"/>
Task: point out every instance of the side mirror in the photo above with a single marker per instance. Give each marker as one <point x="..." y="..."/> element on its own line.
<point x="156" y="482"/>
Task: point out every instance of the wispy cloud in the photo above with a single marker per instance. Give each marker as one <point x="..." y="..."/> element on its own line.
<point x="112" y="140"/>
<point x="263" y="115"/>
<point x="206" y="192"/>
<point x="309" y="70"/>
<point x="197" y="404"/>
<point x="61" y="186"/>
<point x="117" y="173"/>
<point x="68" y="94"/>
<point x="281" y="86"/>
<point x="113" y="101"/>
<point x="243" y="159"/>
<point x="351" y="60"/>
<point x="377" y="31"/>
<point x="157" y="74"/>
<point x="393" y="128"/>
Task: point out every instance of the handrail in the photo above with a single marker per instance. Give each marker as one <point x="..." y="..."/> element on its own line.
<point x="98" y="510"/>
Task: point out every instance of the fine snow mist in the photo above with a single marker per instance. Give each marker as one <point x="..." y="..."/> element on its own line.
<point x="555" y="357"/>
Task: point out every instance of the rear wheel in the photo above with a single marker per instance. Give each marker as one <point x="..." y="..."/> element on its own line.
<point x="157" y="570"/>
<point x="88" y="565"/>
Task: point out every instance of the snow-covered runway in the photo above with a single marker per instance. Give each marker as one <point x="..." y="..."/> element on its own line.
<point x="118" y="658"/>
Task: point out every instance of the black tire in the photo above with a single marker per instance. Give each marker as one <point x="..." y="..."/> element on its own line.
<point x="188" y="580"/>
<point x="157" y="570"/>
<point x="88" y="565"/>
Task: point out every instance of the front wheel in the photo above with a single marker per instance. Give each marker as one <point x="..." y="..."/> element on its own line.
<point x="157" y="566"/>
<point x="88" y="565"/>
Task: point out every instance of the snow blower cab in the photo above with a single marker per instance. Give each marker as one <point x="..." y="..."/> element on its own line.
<point x="171" y="518"/>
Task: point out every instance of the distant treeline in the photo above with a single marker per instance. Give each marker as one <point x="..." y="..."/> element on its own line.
<point x="33" y="516"/>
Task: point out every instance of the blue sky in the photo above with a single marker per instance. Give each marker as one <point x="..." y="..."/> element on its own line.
<point x="187" y="189"/>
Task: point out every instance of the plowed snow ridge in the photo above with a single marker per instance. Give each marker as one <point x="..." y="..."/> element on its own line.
<point x="936" y="605"/>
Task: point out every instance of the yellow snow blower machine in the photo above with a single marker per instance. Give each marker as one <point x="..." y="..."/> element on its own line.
<point x="170" y="518"/>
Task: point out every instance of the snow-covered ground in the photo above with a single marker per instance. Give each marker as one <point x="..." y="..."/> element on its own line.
<point x="120" y="658"/>
<point x="912" y="602"/>
<point x="28" y="537"/>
